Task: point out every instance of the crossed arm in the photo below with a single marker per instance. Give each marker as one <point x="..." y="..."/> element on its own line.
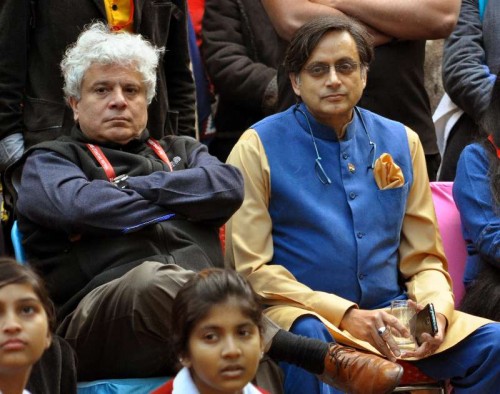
<point x="57" y="194"/>
<point x="401" y="19"/>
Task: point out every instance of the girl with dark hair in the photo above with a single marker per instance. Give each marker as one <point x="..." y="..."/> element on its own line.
<point x="26" y="319"/>
<point x="476" y="191"/>
<point x="217" y="333"/>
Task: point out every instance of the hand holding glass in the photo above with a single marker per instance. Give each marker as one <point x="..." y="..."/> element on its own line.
<point x="402" y="310"/>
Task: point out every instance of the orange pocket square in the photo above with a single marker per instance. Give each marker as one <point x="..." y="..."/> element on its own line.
<point x="388" y="174"/>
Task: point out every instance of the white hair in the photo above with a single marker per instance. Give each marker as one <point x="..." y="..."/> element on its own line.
<point x="97" y="44"/>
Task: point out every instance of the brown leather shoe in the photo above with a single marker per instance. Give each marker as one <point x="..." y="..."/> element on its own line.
<point x="355" y="372"/>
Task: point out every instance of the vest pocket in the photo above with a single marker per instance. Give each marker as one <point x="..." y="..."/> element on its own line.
<point x="392" y="207"/>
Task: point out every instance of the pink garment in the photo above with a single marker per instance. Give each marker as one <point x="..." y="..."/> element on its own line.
<point x="449" y="223"/>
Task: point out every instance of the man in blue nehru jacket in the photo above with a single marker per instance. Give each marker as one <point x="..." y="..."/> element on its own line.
<point x="343" y="221"/>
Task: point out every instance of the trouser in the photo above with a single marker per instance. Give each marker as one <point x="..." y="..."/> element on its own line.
<point x="121" y="328"/>
<point x="464" y="132"/>
<point x="297" y="380"/>
<point x="432" y="162"/>
<point x="472" y="365"/>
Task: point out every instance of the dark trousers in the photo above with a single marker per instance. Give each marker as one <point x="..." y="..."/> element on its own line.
<point x="432" y="162"/>
<point x="121" y="328"/>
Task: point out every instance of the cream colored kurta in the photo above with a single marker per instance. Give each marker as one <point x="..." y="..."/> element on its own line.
<point x="249" y="248"/>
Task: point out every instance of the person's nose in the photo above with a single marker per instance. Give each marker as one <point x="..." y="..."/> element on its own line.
<point x="10" y="323"/>
<point x="333" y="78"/>
<point x="231" y="348"/>
<point x="118" y="99"/>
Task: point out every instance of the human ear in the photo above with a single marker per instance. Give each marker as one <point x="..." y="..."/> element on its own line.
<point x="364" y="75"/>
<point x="48" y="340"/>
<point x="73" y="103"/>
<point x="295" y="80"/>
<point x="185" y="361"/>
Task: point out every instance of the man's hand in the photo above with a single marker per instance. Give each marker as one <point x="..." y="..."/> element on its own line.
<point x="363" y="324"/>
<point x="429" y="343"/>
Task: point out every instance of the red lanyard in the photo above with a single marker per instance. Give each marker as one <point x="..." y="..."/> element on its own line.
<point x="108" y="168"/>
<point x="490" y="137"/>
<point x="103" y="161"/>
<point x="155" y="145"/>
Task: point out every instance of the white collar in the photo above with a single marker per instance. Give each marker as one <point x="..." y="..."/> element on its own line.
<point x="183" y="384"/>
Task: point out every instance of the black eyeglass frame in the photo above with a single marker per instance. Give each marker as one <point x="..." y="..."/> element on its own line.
<point x="342" y="68"/>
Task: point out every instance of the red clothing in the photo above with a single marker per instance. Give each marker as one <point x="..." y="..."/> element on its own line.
<point x="166" y="388"/>
<point x="196" y="10"/>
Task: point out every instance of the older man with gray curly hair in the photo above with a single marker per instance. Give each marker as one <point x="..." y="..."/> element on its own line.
<point x="115" y="220"/>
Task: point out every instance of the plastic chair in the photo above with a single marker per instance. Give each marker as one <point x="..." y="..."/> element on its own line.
<point x="449" y="224"/>
<point x="121" y="386"/>
<point x="17" y="243"/>
<point x="450" y="227"/>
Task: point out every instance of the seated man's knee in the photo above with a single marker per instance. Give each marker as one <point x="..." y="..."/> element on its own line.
<point x="312" y="327"/>
<point x="142" y="278"/>
<point x="154" y="281"/>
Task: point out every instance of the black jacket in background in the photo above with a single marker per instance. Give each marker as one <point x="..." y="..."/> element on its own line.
<point x="241" y="51"/>
<point x="33" y="37"/>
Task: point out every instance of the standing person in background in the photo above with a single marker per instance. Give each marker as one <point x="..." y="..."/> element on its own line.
<point x="241" y="51"/>
<point x="33" y="37"/>
<point x="26" y="321"/>
<point x="395" y="87"/>
<point x="476" y="191"/>
<point x="471" y="60"/>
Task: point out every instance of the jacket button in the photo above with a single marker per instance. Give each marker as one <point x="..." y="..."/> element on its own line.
<point x="360" y="235"/>
<point x="345" y="156"/>
<point x="352" y="195"/>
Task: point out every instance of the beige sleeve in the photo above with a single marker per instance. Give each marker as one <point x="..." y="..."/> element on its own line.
<point x="422" y="260"/>
<point x="249" y="242"/>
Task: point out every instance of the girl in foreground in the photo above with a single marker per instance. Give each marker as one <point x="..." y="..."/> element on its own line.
<point x="217" y="331"/>
<point x="26" y="316"/>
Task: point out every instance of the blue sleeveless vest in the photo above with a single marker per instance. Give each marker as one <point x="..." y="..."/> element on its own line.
<point x="342" y="237"/>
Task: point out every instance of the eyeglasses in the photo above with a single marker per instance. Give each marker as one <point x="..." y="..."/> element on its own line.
<point x="373" y="145"/>
<point x="320" y="70"/>
<point x="320" y="171"/>
<point x="373" y="150"/>
<point x="318" y="168"/>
